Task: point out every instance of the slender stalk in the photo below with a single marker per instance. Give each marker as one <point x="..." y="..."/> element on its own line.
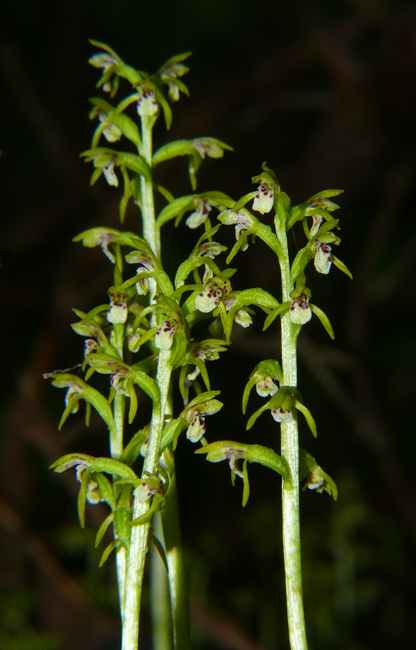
<point x="177" y="581"/>
<point x="290" y="451"/>
<point x="139" y="534"/>
<point x="116" y="448"/>
<point x="159" y="590"/>
<point x="150" y="233"/>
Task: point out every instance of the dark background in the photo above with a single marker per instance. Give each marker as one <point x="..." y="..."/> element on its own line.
<point x="325" y="92"/>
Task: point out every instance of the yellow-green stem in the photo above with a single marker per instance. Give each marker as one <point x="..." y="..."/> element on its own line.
<point x="290" y="451"/>
<point x="139" y="535"/>
<point x="116" y="448"/>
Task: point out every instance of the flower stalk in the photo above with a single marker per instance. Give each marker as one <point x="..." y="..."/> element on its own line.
<point x="290" y="451"/>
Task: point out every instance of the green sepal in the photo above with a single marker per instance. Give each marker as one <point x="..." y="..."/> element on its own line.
<point x="147" y="516"/>
<point x="137" y="164"/>
<point x="114" y="544"/>
<point x="197" y="257"/>
<point x="256" y="415"/>
<point x="168" y="196"/>
<point x="246" y="484"/>
<point x="122" y="517"/>
<point x="171" y="433"/>
<point x="106" y="490"/>
<point x="323" y="318"/>
<point x="172" y="150"/>
<point x="100" y="464"/>
<point x="283" y="398"/>
<point x="282" y="309"/>
<point x="119" y="70"/>
<point x="86" y="392"/>
<point x="136" y="257"/>
<point x="317" y="204"/>
<point x="132" y="450"/>
<point x="186" y="268"/>
<point x="303" y="257"/>
<point x="341" y="266"/>
<point x="82" y="497"/>
<point x="126" y="193"/>
<point x="317" y="479"/>
<point x="268" y="367"/>
<point x="103" y="528"/>
<point x="306" y="414"/>
<point x="175" y="208"/>
<point x="241" y="203"/>
<point x="255" y="297"/>
<point x="234" y="451"/>
<point x="106" y="364"/>
<point x="211" y="147"/>
<point x="167" y="111"/>
<point x="132" y="161"/>
<point x="91" y="330"/>
<point x="162" y="76"/>
<point x="114" y="116"/>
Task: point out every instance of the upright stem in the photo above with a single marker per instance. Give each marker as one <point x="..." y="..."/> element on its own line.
<point x="159" y="594"/>
<point x="290" y="451"/>
<point x="177" y="580"/>
<point x="116" y="448"/>
<point x="139" y="534"/>
<point x="150" y="233"/>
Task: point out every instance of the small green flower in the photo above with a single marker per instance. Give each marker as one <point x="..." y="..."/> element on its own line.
<point x="210" y="147"/>
<point x="147" y="266"/>
<point x="93" y="495"/>
<point x="111" y="132"/>
<point x="208" y="299"/>
<point x="106" y="163"/>
<point x="150" y="487"/>
<point x="103" y="60"/>
<point x="200" y="215"/>
<point x="241" y="219"/>
<point x="195" y="414"/>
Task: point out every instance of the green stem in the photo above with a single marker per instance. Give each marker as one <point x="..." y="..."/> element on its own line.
<point x="177" y="580"/>
<point x="290" y="451"/>
<point x="116" y="448"/>
<point x="159" y="594"/>
<point x="139" y="534"/>
<point x="150" y="233"/>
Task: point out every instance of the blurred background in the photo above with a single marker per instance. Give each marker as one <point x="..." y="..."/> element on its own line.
<point x="325" y="93"/>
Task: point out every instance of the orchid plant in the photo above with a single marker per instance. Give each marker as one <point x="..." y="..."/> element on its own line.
<point x="143" y="340"/>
